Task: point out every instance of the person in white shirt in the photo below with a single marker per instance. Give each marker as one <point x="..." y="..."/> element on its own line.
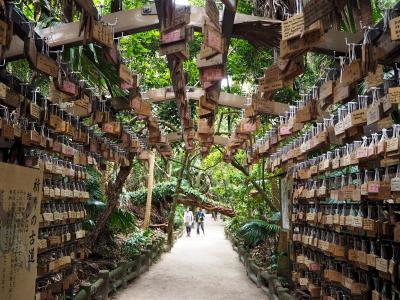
<point x="188" y="219"/>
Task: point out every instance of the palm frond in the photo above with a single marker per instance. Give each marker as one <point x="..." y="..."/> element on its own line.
<point x="256" y="231"/>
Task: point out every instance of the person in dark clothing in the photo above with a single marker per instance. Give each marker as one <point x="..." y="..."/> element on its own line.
<point x="200" y="216"/>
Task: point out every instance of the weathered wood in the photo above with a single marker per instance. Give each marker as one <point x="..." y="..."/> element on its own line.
<point x="166" y="94"/>
<point x="150" y="184"/>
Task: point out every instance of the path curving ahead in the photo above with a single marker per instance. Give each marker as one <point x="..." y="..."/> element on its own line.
<point x="199" y="267"/>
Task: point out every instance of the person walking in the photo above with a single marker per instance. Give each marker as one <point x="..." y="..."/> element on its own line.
<point x="188" y="220"/>
<point x="200" y="216"/>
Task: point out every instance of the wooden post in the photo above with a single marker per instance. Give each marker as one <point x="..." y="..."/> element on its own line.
<point x="171" y="216"/>
<point x="150" y="184"/>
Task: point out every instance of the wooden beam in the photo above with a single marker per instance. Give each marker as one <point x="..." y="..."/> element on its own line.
<point x="129" y="22"/>
<point x="134" y="21"/>
<point x="177" y="136"/>
<point x="167" y="94"/>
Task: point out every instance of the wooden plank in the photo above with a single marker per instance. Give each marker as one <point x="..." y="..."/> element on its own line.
<point x="166" y="94"/>
<point x="174" y="136"/>
<point x="221" y="140"/>
<point x="134" y="21"/>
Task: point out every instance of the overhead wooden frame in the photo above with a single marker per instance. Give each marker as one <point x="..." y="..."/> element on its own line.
<point x="167" y="94"/>
<point x="134" y="21"/>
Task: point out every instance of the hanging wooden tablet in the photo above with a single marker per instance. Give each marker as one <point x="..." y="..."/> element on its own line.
<point x="213" y="38"/>
<point x="125" y="74"/>
<point x="12" y="98"/>
<point x="102" y="34"/>
<point x="207" y="52"/>
<point x="352" y="73"/>
<point x="315" y="10"/>
<point x="47" y="65"/>
<point x="394" y="95"/>
<point x="394" y="25"/>
<point x="374" y="79"/>
<point x="173" y="36"/>
<point x="213" y="61"/>
<point x="213" y="13"/>
<point x="181" y="49"/>
<point x="214" y="73"/>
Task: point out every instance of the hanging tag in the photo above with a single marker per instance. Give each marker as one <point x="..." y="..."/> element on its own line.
<point x="395" y="182"/>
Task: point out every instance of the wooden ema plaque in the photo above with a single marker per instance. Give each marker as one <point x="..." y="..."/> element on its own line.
<point x="394" y="25"/>
<point x="213" y="61"/>
<point x="296" y="47"/>
<point x="125" y="74"/>
<point x="213" y="38"/>
<point x="294" y="27"/>
<point x="173" y="36"/>
<point x="269" y="107"/>
<point x="204" y="127"/>
<point x="214" y="73"/>
<point x="47" y="65"/>
<point x="212" y="13"/>
<point x="315" y="10"/>
<point x="176" y="16"/>
<point x="181" y="49"/>
<point x="102" y="34"/>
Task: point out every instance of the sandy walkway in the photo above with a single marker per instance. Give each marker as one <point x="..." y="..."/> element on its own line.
<point x="199" y="267"/>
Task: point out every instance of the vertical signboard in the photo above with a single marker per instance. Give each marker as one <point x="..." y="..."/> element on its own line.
<point x="20" y="197"/>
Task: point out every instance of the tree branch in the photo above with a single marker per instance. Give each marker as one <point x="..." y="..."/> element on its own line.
<point x="262" y="192"/>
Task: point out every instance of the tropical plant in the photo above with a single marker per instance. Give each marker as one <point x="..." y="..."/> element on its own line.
<point x="256" y="231"/>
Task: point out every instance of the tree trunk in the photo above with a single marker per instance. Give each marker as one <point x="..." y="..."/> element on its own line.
<point x="255" y="184"/>
<point x="171" y="216"/>
<point x="113" y="191"/>
<point x="150" y="183"/>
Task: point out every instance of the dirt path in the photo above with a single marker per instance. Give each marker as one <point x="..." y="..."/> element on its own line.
<point x="199" y="267"/>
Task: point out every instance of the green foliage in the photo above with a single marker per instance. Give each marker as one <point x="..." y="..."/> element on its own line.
<point x="136" y="243"/>
<point x="256" y="231"/>
<point x="121" y="220"/>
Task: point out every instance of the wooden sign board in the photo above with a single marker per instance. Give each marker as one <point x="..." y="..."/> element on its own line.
<point x="213" y="61"/>
<point x="57" y="96"/>
<point x="19" y="219"/>
<point x="374" y="79"/>
<point x="68" y="87"/>
<point x="293" y="27"/>
<point x="125" y="74"/>
<point x="179" y="17"/>
<point x="213" y="38"/>
<point x="47" y="65"/>
<point x="296" y="47"/>
<point x="181" y="49"/>
<point x="273" y="73"/>
<point x="394" y="95"/>
<point x="394" y="25"/>
<point x="207" y="52"/>
<point x="315" y="10"/>
<point x="102" y="34"/>
<point x="271" y="86"/>
<point x="173" y="36"/>
<point x="269" y="107"/>
<point x="212" y="12"/>
<point x="204" y="127"/>
<point x="210" y="74"/>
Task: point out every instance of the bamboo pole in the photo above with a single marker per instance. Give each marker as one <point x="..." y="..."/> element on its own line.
<point x="150" y="184"/>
